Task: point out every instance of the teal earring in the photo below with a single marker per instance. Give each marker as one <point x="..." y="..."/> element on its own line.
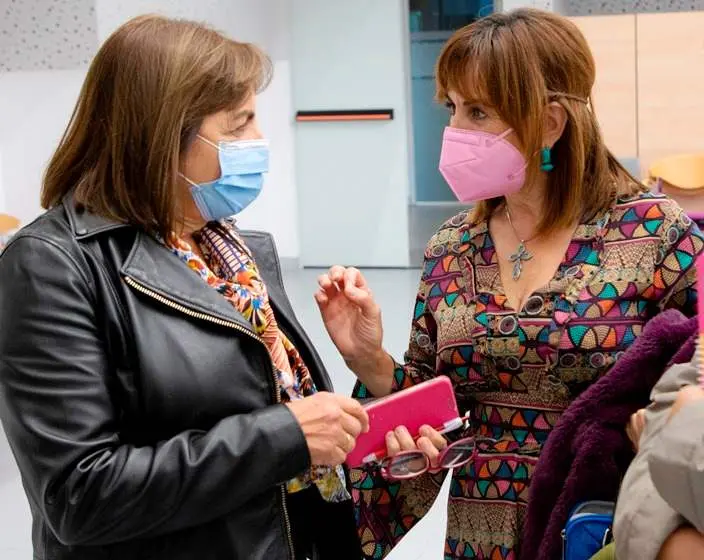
<point x="545" y="161"/>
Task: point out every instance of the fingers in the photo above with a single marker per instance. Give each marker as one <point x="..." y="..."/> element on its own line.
<point x="321" y="298"/>
<point x="399" y="440"/>
<point x="357" y="291"/>
<point x="348" y="443"/>
<point x="405" y="439"/>
<point x="435" y="437"/>
<point x="326" y="284"/>
<point x="351" y="425"/>
<point x="349" y="281"/>
<point x="429" y="448"/>
<point x="640" y="420"/>
<point x="635" y="428"/>
<point x="339" y="276"/>
<point x="336" y="273"/>
<point x="354" y="408"/>
<point x="330" y="284"/>
<point x="354" y="278"/>
<point x="629" y="433"/>
<point x="431" y="443"/>
<point x="393" y="446"/>
<point x="326" y="291"/>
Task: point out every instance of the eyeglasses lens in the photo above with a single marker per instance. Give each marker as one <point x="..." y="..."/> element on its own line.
<point x="406" y="465"/>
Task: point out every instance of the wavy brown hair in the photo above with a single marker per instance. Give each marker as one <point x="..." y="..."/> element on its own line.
<point x="517" y="62"/>
<point x="145" y="96"/>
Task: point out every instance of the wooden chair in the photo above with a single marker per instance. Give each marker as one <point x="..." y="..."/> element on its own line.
<point x="681" y="177"/>
<point x="8" y="223"/>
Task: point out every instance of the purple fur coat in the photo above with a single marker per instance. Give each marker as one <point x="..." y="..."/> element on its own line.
<point x="588" y="452"/>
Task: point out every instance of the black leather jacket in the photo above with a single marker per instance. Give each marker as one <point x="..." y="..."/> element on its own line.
<point x="141" y="407"/>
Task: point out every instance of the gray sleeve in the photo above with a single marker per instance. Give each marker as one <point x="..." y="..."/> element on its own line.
<point x="677" y="464"/>
<point x="643" y="519"/>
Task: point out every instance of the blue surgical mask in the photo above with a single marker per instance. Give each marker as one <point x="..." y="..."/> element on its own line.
<point x="242" y="167"/>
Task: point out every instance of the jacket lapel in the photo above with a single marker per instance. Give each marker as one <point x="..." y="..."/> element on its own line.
<point x="153" y="266"/>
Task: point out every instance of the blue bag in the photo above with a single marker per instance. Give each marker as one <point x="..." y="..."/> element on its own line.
<point x="588" y="530"/>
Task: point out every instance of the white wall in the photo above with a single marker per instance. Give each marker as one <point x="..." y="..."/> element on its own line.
<point x="44" y="48"/>
<point x="352" y="177"/>
<point x="34" y="110"/>
<point x="36" y="98"/>
<point x="3" y="204"/>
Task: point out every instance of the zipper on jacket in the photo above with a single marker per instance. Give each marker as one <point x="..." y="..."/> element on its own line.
<point x="230" y="324"/>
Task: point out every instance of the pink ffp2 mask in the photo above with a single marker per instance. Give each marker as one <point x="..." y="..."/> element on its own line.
<point x="479" y="165"/>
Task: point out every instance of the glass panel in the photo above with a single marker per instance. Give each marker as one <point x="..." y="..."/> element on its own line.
<point x="429" y="120"/>
<point x="431" y="23"/>
<point x="446" y="15"/>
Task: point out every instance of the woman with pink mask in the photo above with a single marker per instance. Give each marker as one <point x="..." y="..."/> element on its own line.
<point x="525" y="299"/>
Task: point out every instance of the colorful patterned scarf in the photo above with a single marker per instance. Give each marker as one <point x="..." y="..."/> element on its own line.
<point x="229" y="268"/>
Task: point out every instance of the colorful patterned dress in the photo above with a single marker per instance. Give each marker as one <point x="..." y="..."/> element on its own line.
<point x="518" y="371"/>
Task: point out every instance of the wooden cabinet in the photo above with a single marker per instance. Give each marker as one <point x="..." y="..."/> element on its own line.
<point x="670" y="57"/>
<point x="613" y="43"/>
<point x="649" y="92"/>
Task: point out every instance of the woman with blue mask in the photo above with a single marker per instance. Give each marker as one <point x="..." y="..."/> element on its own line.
<point x="160" y="397"/>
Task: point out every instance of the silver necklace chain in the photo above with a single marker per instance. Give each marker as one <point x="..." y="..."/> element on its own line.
<point x="521" y="254"/>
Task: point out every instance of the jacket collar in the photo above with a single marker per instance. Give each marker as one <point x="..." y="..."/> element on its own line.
<point x="155" y="268"/>
<point x="160" y="271"/>
<point x="85" y="224"/>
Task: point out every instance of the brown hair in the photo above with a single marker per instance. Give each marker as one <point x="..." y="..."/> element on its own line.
<point x="147" y="91"/>
<point x="517" y="62"/>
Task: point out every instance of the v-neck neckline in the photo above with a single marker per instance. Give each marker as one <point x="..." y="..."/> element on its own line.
<point x="591" y="231"/>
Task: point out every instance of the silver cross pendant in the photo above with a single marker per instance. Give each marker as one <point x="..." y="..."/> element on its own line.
<point x="522" y="254"/>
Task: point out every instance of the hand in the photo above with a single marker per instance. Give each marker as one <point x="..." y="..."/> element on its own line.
<point x="331" y="424"/>
<point x="431" y="442"/>
<point x="686" y="395"/>
<point x="634" y="428"/>
<point x="351" y="316"/>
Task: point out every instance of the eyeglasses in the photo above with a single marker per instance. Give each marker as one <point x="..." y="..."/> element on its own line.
<point x="410" y="464"/>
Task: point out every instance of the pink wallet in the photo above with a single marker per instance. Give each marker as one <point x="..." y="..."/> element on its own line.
<point x="431" y="403"/>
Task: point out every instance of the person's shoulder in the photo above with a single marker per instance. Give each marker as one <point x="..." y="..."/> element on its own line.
<point x="47" y="241"/>
<point x="49" y="228"/>
<point x="449" y="235"/>
<point x="655" y="214"/>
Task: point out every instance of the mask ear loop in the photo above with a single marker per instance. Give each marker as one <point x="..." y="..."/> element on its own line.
<point x="187" y="180"/>
<point x="499" y="137"/>
<point x="204" y="139"/>
<point x="503" y="136"/>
